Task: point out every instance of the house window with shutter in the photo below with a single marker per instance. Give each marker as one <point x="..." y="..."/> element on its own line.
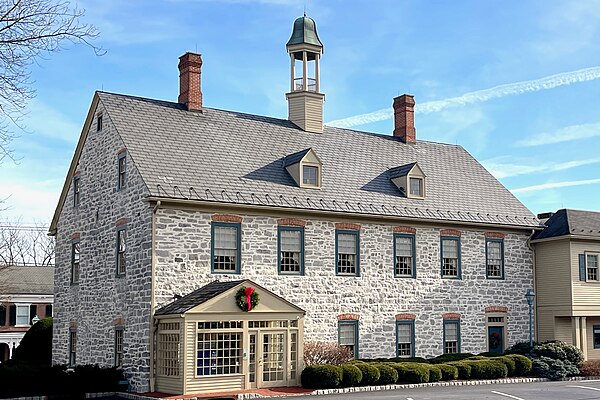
<point x="226" y="247"/>
<point x="494" y="258"/>
<point x="291" y="250"/>
<point x="405" y="338"/>
<point x="451" y="336"/>
<point x="592" y="267"/>
<point x="2" y="315"/>
<point x="404" y="255"/>
<point x="450" y="249"/>
<point x="347" y="254"/>
<point x="348" y="336"/>
<point x="22" y="315"/>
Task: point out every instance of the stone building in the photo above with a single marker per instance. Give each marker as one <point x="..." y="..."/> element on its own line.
<point x="568" y="279"/>
<point x="388" y="244"/>
<point x="26" y="295"/>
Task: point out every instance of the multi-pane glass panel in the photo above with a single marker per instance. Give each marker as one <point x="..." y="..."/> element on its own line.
<point x="596" y="331"/>
<point x="121" y="249"/>
<point x="450" y="258"/>
<point x="252" y="358"/>
<point x="22" y="315"/>
<point x="219" y="353"/>
<point x="119" y="348"/>
<point x="121" y="170"/>
<point x="347" y="244"/>
<point x="293" y="355"/>
<point x="72" y="348"/>
<point x="290" y="251"/>
<point x="404" y="256"/>
<point x="405" y="339"/>
<point x="75" y="255"/>
<point x="310" y="175"/>
<point x="451" y="337"/>
<point x="76" y="191"/>
<point x="168" y="351"/>
<point x="416" y="187"/>
<point x="225" y="248"/>
<point x="347" y="335"/>
<point x="273" y="357"/>
<point x="592" y="267"/>
<point x="494" y="259"/>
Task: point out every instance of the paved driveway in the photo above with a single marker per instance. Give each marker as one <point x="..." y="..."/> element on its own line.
<point x="578" y="390"/>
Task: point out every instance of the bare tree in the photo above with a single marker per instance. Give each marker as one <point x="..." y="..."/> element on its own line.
<point x="22" y="245"/>
<point x="29" y="31"/>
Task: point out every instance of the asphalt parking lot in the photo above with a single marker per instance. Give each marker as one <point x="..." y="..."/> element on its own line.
<point x="576" y="390"/>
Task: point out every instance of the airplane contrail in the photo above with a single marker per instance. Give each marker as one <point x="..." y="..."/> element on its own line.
<point x="509" y="89"/>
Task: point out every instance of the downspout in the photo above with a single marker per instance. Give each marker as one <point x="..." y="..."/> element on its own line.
<point x="152" y="303"/>
<point x="535" y="325"/>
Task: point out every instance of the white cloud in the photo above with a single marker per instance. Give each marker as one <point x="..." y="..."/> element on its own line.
<point x="565" y="134"/>
<point x="510" y="89"/>
<point x="31" y="202"/>
<point x="504" y="167"/>
<point x="544" y="186"/>
<point x="44" y="120"/>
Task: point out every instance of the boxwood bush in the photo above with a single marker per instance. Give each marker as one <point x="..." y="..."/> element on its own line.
<point x="351" y="375"/>
<point x="509" y="362"/>
<point x="449" y="372"/>
<point x="444" y="358"/>
<point x="321" y="376"/>
<point x="412" y="372"/>
<point x="435" y="373"/>
<point x="522" y="364"/>
<point x="370" y="373"/>
<point x="387" y="374"/>
<point x="487" y="369"/>
<point x="464" y="369"/>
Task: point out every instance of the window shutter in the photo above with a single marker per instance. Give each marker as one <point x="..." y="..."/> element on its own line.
<point x="582" y="271"/>
<point x="12" y="315"/>
<point x="2" y="315"/>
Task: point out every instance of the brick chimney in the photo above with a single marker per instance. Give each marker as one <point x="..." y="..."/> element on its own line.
<point x="190" y="92"/>
<point x="404" y="118"/>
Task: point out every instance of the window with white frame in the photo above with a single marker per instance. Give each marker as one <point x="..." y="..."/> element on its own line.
<point x="219" y="353"/>
<point x="75" y="257"/>
<point x="404" y="258"/>
<point x="451" y="337"/>
<point x="416" y="187"/>
<point x="22" y="314"/>
<point x="226" y="244"/>
<point x="310" y="175"/>
<point x="450" y="257"/>
<point x="291" y="249"/>
<point x="347" y="255"/>
<point x="494" y="251"/>
<point x="119" y="347"/>
<point x="121" y="251"/>
<point x="405" y="340"/>
<point x="121" y="171"/>
<point x="348" y="336"/>
<point x="592" y="267"/>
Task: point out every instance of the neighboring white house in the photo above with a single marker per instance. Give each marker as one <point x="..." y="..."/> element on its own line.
<point x="26" y="293"/>
<point x="387" y="244"/>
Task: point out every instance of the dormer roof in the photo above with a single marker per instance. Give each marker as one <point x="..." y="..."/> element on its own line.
<point x="295" y="158"/>
<point x="403" y="170"/>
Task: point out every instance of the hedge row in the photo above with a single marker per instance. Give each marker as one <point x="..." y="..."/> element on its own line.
<point x="361" y="373"/>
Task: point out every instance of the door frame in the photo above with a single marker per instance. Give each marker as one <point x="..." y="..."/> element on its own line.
<point x="259" y="357"/>
<point x="495" y="323"/>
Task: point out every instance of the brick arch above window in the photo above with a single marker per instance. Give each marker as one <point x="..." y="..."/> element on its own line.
<point x="450" y="232"/>
<point x="405" y="317"/>
<point x="496" y="235"/>
<point x="226" y="218"/>
<point x="73" y="325"/>
<point x="122" y="150"/>
<point x="405" y="229"/>
<point x="451" y="315"/>
<point x="76" y="236"/>
<point x="121" y="222"/>
<point x="348" y="317"/>
<point x="496" y="309"/>
<point x="291" y="222"/>
<point x="119" y="321"/>
<point x="347" y="226"/>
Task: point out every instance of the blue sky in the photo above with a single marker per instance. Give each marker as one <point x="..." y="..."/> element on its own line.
<point x="539" y="134"/>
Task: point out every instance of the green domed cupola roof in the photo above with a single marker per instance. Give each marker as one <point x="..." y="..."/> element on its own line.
<point x="305" y="31"/>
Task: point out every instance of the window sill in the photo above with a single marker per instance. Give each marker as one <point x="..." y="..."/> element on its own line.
<point x="348" y="275"/>
<point x="452" y="277"/>
<point x="291" y="273"/>
<point x="120" y="275"/>
<point x="495" y="278"/>
<point x="72" y="284"/>
<point x="405" y="276"/>
<point x="226" y="272"/>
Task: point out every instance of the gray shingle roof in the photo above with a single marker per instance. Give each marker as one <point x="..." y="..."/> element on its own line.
<point x="231" y="157"/>
<point x="26" y="280"/>
<point x="197" y="297"/>
<point x="571" y="222"/>
<point x="402" y="170"/>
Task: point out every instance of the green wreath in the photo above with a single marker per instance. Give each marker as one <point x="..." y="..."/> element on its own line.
<point x="241" y="298"/>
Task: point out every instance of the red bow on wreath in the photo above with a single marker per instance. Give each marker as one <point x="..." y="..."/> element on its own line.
<point x="495" y="335"/>
<point x="248" y="293"/>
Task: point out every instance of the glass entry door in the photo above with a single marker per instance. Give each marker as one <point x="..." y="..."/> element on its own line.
<point x="268" y="359"/>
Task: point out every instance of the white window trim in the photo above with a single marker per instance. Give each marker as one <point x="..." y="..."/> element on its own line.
<point x="17" y="314"/>
<point x="319" y="175"/>
<point x="590" y="253"/>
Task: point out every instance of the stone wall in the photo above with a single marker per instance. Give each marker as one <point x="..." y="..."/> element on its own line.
<point x="101" y="299"/>
<point x="183" y="264"/>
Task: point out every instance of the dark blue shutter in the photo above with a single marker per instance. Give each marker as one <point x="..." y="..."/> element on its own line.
<point x="582" y="271"/>
<point x="12" y="318"/>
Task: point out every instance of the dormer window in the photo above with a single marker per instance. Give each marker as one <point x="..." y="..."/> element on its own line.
<point x="305" y="168"/>
<point x="410" y="180"/>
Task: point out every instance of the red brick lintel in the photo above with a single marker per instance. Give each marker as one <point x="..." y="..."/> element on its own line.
<point x="121" y="222"/>
<point x="449" y="232"/>
<point x="405" y="317"/>
<point x="291" y="222"/>
<point x="348" y="317"/>
<point x="496" y="235"/>
<point x="119" y="321"/>
<point x="496" y="309"/>
<point x="451" y="315"/>
<point x="226" y="218"/>
<point x="76" y="236"/>
<point x="347" y="226"/>
<point x="405" y="229"/>
<point x="122" y="150"/>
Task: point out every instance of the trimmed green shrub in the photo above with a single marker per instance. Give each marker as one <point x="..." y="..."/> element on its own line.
<point x="487" y="369"/>
<point x="370" y="373"/>
<point x="351" y="375"/>
<point x="412" y="372"/>
<point x="464" y="369"/>
<point x="523" y="364"/>
<point x="36" y="345"/>
<point x="559" y="351"/>
<point x="435" y="373"/>
<point x="509" y="362"/>
<point x="387" y="374"/>
<point x="521" y="348"/>
<point x="444" y="358"/>
<point x="490" y="354"/>
<point x="449" y="372"/>
<point x="321" y="376"/>
<point x="550" y="368"/>
<point x="395" y="360"/>
<point x="478" y="358"/>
